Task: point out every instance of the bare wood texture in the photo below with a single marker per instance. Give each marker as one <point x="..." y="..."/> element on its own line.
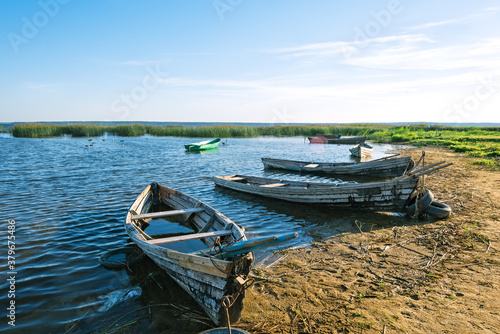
<point x="377" y="196"/>
<point x="193" y="236"/>
<point x="206" y="279"/>
<point x="388" y="166"/>
<point x="167" y="213"/>
<point x="274" y="185"/>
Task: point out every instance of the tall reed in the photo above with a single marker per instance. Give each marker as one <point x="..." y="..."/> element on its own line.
<point x="481" y="142"/>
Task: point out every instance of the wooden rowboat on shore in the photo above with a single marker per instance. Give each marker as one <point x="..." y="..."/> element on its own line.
<point x="336" y="139"/>
<point x="377" y="196"/>
<point x="387" y="166"/>
<point x="362" y="150"/>
<point x="209" y="277"/>
<point x="391" y="195"/>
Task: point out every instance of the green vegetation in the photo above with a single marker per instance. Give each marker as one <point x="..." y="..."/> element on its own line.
<point x="479" y="142"/>
<point x="35" y="130"/>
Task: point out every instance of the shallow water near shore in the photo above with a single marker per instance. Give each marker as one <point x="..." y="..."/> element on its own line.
<point x="69" y="196"/>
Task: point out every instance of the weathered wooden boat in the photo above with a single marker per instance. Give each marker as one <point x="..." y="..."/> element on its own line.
<point x="209" y="277"/>
<point x="336" y="139"/>
<point x="203" y="145"/>
<point x="378" y="196"/>
<point x="392" y="195"/>
<point x="388" y="166"/>
<point x="361" y="150"/>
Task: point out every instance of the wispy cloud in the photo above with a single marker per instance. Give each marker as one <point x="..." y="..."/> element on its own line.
<point x="290" y="88"/>
<point x="435" y="24"/>
<point x="132" y="62"/>
<point x="46" y="87"/>
<point x="467" y="19"/>
<point x="341" y="47"/>
<point x="401" y="52"/>
<point x="483" y="54"/>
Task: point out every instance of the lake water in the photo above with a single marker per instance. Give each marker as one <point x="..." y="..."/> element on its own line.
<point x="69" y="199"/>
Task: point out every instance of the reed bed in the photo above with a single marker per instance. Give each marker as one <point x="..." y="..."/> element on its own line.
<point x="479" y="142"/>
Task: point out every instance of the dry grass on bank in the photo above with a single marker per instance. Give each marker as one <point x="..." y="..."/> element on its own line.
<point x="413" y="277"/>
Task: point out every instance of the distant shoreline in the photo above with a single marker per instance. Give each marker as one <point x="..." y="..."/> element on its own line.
<point x="7" y="125"/>
<point x="482" y="143"/>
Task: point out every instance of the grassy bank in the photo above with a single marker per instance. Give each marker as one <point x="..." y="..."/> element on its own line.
<point x="480" y="142"/>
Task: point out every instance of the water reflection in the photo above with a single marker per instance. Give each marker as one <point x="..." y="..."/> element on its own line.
<point x="69" y="201"/>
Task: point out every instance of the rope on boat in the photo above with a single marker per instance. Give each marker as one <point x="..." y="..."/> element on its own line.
<point x="228" y="301"/>
<point x="242" y="280"/>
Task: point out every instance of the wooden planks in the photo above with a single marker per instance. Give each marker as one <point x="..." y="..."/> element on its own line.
<point x="272" y="185"/>
<point x="388" y="166"/>
<point x="166" y="213"/>
<point x="209" y="224"/>
<point x="235" y="178"/>
<point x="193" y="236"/>
<point x="204" y="278"/>
<point x="385" y="195"/>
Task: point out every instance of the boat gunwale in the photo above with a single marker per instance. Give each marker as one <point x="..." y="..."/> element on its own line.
<point x="315" y="185"/>
<point x="141" y="199"/>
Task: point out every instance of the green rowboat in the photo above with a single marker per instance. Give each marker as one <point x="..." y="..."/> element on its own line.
<point x="203" y="145"/>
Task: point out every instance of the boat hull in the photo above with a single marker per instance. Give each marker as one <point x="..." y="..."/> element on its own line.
<point x="334" y="139"/>
<point x="381" y="167"/>
<point x="377" y="196"/>
<point x="202" y="146"/>
<point x="207" y="280"/>
<point x="361" y="150"/>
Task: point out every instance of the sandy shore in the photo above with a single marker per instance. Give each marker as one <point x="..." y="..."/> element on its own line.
<point x="407" y="276"/>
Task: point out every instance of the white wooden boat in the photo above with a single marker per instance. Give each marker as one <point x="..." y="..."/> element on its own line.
<point x="207" y="278"/>
<point x="388" y="166"/>
<point x="361" y="150"/>
<point x="336" y="139"/>
<point x="392" y="195"/>
<point x="378" y="196"/>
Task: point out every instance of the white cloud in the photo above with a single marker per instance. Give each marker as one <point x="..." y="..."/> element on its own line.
<point x="467" y="19"/>
<point x="342" y="48"/>
<point x="482" y="55"/>
<point x="132" y="62"/>
<point x="46" y="87"/>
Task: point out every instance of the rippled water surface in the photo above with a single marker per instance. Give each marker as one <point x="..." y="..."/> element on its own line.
<point x="69" y="200"/>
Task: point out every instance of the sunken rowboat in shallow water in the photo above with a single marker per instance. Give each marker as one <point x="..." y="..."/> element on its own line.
<point x="203" y="145"/>
<point x="208" y="278"/>
<point x="389" y="166"/>
<point x="378" y="196"/>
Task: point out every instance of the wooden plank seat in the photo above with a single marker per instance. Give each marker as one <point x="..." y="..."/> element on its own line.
<point x="236" y="178"/>
<point x="272" y="185"/>
<point x="166" y="213"/>
<point x="187" y="237"/>
<point x="311" y="165"/>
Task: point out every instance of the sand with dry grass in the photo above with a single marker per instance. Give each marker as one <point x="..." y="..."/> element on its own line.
<point x="411" y="276"/>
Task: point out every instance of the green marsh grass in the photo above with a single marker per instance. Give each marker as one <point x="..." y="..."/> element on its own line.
<point x="479" y="142"/>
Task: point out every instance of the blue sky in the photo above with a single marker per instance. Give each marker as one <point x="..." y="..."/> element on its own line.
<point x="281" y="61"/>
